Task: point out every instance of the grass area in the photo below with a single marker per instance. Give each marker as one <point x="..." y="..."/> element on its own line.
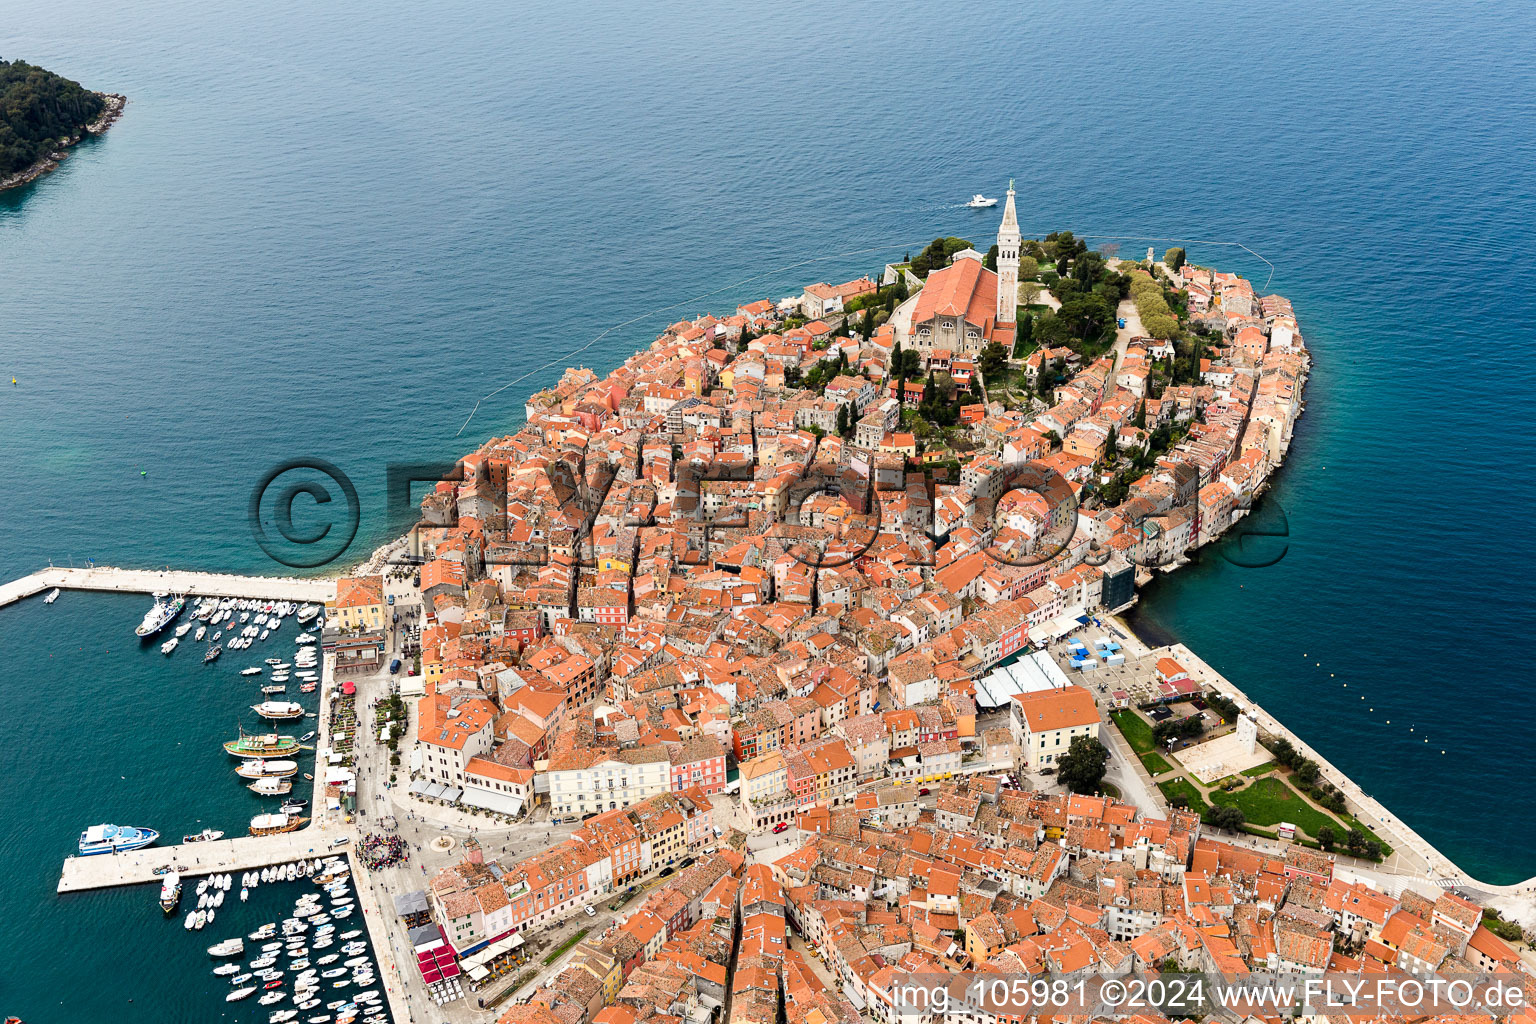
<point x="1270" y="801"/>
<point x="1186" y="789"/>
<point x="517" y="983"/>
<point x="1113" y="792"/>
<point x="559" y="950"/>
<point x="1262" y="769"/>
<point x="1135" y="730"/>
<point x="1156" y="763"/>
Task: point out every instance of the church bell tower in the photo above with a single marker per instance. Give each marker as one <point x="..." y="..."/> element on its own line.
<point x="1008" y="262"/>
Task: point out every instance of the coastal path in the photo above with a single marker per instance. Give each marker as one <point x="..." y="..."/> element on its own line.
<point x="149" y="581"/>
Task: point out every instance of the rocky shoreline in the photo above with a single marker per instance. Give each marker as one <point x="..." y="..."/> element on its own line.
<point x="115" y="104"/>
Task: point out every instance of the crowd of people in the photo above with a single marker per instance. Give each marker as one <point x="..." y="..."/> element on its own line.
<point x="383" y="850"/>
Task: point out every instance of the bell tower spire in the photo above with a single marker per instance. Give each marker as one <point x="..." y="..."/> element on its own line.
<point x="1008" y="262"/>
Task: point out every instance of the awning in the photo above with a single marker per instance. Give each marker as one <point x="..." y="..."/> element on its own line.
<point x="420" y="787"/>
<point x="478" y="973"/>
<point x="452" y="794"/>
<point x="434" y="790"/>
<point x="501" y="803"/>
<point x="500" y="947"/>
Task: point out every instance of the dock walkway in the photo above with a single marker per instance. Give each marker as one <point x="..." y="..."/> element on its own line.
<point x="149" y="581"/>
<point x="244" y="853"/>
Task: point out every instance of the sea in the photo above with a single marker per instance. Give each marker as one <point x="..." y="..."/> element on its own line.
<point x="355" y="237"/>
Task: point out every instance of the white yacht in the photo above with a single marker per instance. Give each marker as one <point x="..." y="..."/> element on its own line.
<point x="980" y="202"/>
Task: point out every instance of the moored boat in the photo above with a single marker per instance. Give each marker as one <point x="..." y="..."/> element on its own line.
<point x="272" y="824"/>
<point x="207" y="835"/>
<point x="53" y="595"/>
<point x="115" y="839"/>
<point x="271" y="786"/>
<point x="164" y="612"/>
<point x="212" y="654"/>
<point x="261" y="769"/>
<point x="170" y="892"/>
<point x="261" y="745"/>
<point x="279" y="710"/>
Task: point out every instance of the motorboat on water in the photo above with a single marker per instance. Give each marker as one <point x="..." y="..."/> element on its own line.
<point x="207" y="835"/>
<point x="115" y="839"/>
<point x="212" y="654"/>
<point x="229" y="947"/>
<point x="170" y="892"/>
<point x="261" y="745"/>
<point x="263" y="769"/>
<point x="271" y="786"/>
<point x="183" y="629"/>
<point x="252" y="671"/>
<point x="53" y="595"/>
<point x="197" y="637"/>
<point x="164" y="612"/>
<point x="170" y="645"/>
<point x="279" y="710"/>
<point x="240" y="993"/>
<point x="272" y="824"/>
<point x="980" y="202"/>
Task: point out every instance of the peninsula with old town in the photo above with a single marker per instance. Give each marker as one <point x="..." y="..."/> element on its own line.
<point x="782" y="663"/>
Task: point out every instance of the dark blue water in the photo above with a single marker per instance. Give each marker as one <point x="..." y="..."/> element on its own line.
<point x="327" y="230"/>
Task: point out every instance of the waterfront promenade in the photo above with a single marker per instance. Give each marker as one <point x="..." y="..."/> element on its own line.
<point x="149" y="581"/>
<point x="1413" y="855"/>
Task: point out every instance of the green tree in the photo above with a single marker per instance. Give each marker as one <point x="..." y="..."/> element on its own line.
<point x="937" y="255"/>
<point x="1029" y="268"/>
<point x="1081" y="768"/>
<point x="1230" y="818"/>
<point x="1326" y="837"/>
<point x="993" y="361"/>
<point x="38" y="108"/>
<point x="1307" y="772"/>
<point x="990" y="261"/>
<point x="1174" y="258"/>
<point x="842" y="420"/>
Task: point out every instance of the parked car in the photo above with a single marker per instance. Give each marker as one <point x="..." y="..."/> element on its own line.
<point x="394" y="666"/>
<point x="923" y="791"/>
<point x="780" y="827"/>
<point x="590" y="911"/>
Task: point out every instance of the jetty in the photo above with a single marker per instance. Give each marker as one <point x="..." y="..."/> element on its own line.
<point x="150" y="581"/>
<point x="244" y="853"/>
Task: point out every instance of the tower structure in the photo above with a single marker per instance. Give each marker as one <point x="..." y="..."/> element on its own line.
<point x="1008" y="262"/>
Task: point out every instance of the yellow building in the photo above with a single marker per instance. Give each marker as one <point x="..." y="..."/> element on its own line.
<point x="359" y="603"/>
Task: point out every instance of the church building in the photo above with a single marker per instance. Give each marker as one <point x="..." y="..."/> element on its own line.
<point x="963" y="307"/>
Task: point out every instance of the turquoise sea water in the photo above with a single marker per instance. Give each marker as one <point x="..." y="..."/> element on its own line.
<point x="327" y="230"/>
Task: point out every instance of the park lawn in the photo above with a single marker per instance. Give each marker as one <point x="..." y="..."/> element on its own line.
<point x="1156" y="763"/>
<point x="1135" y="730"/>
<point x="1261" y="769"/>
<point x="1270" y="801"/>
<point x="1110" y="791"/>
<point x="1183" y="787"/>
